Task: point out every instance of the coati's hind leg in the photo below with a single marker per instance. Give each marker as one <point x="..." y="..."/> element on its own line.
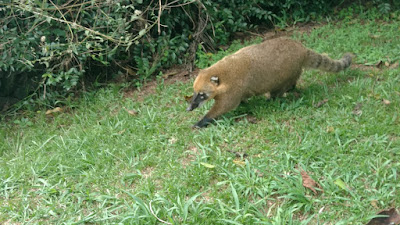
<point x="281" y="92"/>
<point x="277" y="94"/>
<point x="292" y="85"/>
<point x="292" y="88"/>
<point x="221" y="105"/>
<point x="289" y="86"/>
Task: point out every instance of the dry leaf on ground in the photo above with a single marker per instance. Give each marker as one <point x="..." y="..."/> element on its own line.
<point x="394" y="66"/>
<point x="392" y="217"/>
<point x="374" y="203"/>
<point x="172" y="140"/>
<point x="330" y="129"/>
<point x="379" y="64"/>
<point x="308" y="182"/>
<point x="259" y="173"/>
<point x="170" y="74"/>
<point x="386" y="102"/>
<point x="55" y="110"/>
<point x="188" y="98"/>
<point x="239" y="162"/>
<point x="238" y="154"/>
<point x="131" y="111"/>
<point x="251" y="119"/>
<point x="357" y="109"/>
<point x="321" y="103"/>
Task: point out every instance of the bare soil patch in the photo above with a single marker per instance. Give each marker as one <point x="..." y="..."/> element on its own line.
<point x="171" y="76"/>
<point x="190" y="156"/>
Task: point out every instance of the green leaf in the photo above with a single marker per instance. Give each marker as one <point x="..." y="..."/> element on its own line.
<point x="207" y="165"/>
<point x="142" y="32"/>
<point x="235" y="197"/>
<point x="341" y="184"/>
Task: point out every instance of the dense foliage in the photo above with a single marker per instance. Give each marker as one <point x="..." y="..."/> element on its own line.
<point x="48" y="46"/>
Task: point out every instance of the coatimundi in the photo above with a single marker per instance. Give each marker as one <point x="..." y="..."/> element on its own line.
<point x="273" y="67"/>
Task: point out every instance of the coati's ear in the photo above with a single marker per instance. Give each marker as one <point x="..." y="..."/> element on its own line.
<point x="215" y="80"/>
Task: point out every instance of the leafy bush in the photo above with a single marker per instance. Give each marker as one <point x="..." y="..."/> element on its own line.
<point x="53" y="44"/>
<point x="50" y="47"/>
<point x="206" y="59"/>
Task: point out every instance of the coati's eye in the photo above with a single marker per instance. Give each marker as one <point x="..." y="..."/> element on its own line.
<point x="215" y="80"/>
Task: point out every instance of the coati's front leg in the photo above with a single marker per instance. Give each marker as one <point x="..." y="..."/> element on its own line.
<point x="221" y="105"/>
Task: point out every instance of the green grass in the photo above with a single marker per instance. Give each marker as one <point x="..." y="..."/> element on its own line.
<point x="99" y="164"/>
<point x="370" y="41"/>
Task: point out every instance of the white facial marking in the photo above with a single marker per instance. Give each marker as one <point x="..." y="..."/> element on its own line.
<point x="214" y="79"/>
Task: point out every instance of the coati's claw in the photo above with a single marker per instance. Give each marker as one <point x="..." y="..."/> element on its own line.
<point x="203" y="123"/>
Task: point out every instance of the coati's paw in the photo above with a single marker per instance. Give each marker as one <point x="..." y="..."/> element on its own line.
<point x="203" y="123"/>
<point x="268" y="96"/>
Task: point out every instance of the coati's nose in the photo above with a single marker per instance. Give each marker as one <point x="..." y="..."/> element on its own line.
<point x="193" y="103"/>
<point x="192" y="106"/>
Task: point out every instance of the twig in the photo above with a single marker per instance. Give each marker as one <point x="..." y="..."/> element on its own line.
<point x="255" y="34"/>
<point x="66" y="6"/>
<point x="207" y="18"/>
<point x="180" y="5"/>
<point x="159" y="18"/>
<point x="70" y="23"/>
<point x="44" y="90"/>
<point x="173" y="2"/>
<point x="69" y="27"/>
<point x="75" y="25"/>
<point x="152" y="212"/>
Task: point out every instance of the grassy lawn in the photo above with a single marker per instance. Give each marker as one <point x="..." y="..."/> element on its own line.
<point x="100" y="163"/>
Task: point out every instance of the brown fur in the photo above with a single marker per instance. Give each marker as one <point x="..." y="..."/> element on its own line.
<point x="273" y="66"/>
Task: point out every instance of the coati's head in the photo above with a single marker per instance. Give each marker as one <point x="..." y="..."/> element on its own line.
<point x="205" y="88"/>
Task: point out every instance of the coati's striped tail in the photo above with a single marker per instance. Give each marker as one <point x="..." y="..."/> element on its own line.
<point x="323" y="62"/>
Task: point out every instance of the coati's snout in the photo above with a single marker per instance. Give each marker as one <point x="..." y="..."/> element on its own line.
<point x="197" y="100"/>
<point x="203" y="90"/>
